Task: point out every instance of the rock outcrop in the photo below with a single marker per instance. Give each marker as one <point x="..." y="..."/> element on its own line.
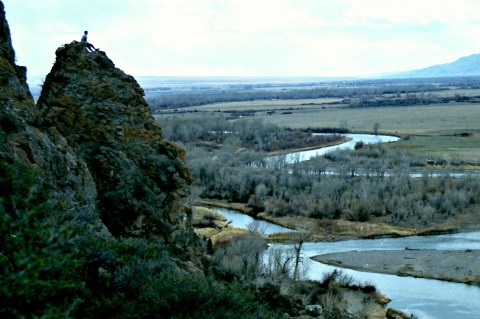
<point x="101" y="173"/>
<point x="12" y="77"/>
<point x="101" y="111"/>
<point x="93" y="142"/>
<point x="63" y="176"/>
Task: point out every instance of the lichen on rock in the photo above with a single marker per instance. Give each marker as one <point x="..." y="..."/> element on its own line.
<point x="102" y="113"/>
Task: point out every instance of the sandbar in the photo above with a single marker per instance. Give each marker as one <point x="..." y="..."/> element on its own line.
<point x="450" y="265"/>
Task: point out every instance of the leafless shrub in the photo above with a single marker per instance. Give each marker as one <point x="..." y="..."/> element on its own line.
<point x="257" y="227"/>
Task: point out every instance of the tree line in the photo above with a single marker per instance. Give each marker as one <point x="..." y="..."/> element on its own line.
<point x="366" y="184"/>
<point x="188" y="99"/>
<point x="253" y="134"/>
<point x="354" y="93"/>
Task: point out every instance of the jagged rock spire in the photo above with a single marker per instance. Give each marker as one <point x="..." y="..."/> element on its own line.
<point x="6" y="48"/>
<point x="102" y="113"/>
<point x="13" y="78"/>
<point x="93" y="140"/>
<point x="63" y="176"/>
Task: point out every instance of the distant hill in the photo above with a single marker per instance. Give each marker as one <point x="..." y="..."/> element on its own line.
<point x="466" y="66"/>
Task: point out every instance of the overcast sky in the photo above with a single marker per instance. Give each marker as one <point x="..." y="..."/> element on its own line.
<point x="249" y="37"/>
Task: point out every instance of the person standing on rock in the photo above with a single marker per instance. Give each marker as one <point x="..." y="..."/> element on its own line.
<point x="89" y="46"/>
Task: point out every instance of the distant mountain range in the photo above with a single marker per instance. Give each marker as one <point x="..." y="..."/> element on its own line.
<point x="466" y="66"/>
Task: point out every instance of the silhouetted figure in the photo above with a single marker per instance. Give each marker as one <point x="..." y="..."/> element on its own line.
<point x="89" y="46"/>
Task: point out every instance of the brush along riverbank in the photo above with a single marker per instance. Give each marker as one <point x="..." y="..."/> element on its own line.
<point x="332" y="230"/>
<point x="334" y="293"/>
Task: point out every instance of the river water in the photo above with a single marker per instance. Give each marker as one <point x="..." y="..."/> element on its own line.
<point x="426" y="298"/>
<point x="365" y="138"/>
<point x="243" y="221"/>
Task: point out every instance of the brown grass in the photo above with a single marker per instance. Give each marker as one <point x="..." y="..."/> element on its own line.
<point x="267" y="105"/>
<point x="234" y="206"/>
<point x="328" y="230"/>
<point x="227" y="235"/>
<point x="325" y="230"/>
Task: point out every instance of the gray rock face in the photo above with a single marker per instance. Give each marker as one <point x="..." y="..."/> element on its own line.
<point x="13" y="77"/>
<point x="64" y="176"/>
<point x="6" y="48"/>
<point x="102" y="113"/>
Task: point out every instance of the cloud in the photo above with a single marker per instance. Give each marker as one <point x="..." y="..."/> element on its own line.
<point x="250" y="37"/>
<point x="376" y="13"/>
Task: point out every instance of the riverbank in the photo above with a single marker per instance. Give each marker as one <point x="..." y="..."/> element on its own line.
<point x="327" y="230"/>
<point x="340" y="141"/>
<point x="317" y="230"/>
<point x="462" y="266"/>
<point x="437" y="298"/>
<point x="342" y="293"/>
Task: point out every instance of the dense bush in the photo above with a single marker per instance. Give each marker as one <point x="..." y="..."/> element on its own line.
<point x="41" y="271"/>
<point x="139" y="279"/>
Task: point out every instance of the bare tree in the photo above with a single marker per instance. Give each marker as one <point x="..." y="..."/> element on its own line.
<point x="300" y="239"/>
<point x="243" y="256"/>
<point x="277" y="263"/>
<point x="258" y="227"/>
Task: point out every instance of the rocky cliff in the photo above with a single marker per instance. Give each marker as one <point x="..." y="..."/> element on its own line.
<point x="91" y="217"/>
<point x="101" y="111"/>
<point x="62" y="176"/>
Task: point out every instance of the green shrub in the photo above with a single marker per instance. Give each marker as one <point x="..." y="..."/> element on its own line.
<point x="39" y="275"/>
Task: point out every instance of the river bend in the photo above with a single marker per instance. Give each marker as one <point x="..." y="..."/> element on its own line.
<point x="426" y="298"/>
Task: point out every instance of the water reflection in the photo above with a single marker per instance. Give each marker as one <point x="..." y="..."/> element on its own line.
<point x="426" y="298"/>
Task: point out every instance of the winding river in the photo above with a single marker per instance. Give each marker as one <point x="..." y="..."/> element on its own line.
<point x="354" y="138"/>
<point x="243" y="221"/>
<point x="426" y="298"/>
